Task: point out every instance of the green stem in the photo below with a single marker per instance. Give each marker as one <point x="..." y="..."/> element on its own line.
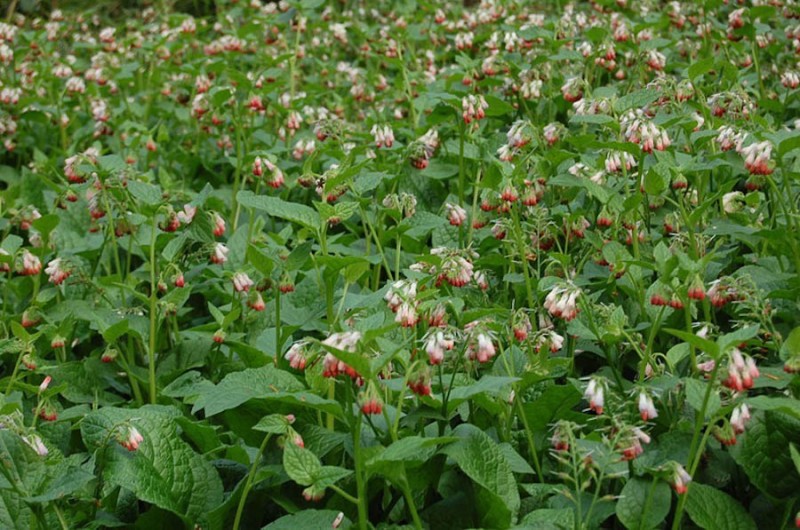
<point x="278" y="341"/>
<point x="151" y="352"/>
<point x="360" y="483"/>
<point x="695" y="449"/>
<point x="249" y="484"/>
<point x="410" y="503"/>
<point x="529" y="435"/>
<point x="343" y="494"/>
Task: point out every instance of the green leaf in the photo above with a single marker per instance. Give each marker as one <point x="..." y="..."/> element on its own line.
<point x="643" y="504"/>
<point x="654" y="182"/>
<point x="795" y="454"/>
<point x="699" y="68"/>
<point x="46" y="224"/>
<point x="549" y="519"/>
<point x="706" y="345"/>
<point x="240" y="387"/>
<point x="497" y="107"/>
<point x="300" y="464"/>
<point x="635" y="100"/>
<point x="711" y="509"/>
<point x="730" y="340"/>
<point x="695" y="394"/>
<point x="308" y="519"/>
<point x="791" y="346"/>
<point x="275" y="207"/>
<point x="163" y="470"/>
<point x="479" y="457"/>
<point x="145" y="193"/>
<point x="273" y="423"/>
<point x="304" y="468"/>
<point x="763" y="453"/>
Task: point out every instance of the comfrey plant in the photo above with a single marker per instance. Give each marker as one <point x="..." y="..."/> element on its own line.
<point x="386" y="264"/>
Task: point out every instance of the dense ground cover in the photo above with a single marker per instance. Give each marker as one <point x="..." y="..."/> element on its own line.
<point x="403" y="264"/>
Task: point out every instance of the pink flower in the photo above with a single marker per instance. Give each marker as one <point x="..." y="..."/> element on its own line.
<point x="219" y="224"/>
<point x="647" y="408"/>
<point x="43" y="386"/>
<point x="480" y="348"/>
<point x="455" y="214"/>
<point x="187" y="214"/>
<point x="57" y="272"/>
<point x="242" y="282"/>
<point x="130" y="438"/>
<point x="561" y="302"/>
<point x="595" y="394"/>
<point x="296" y="356"/>
<point x="739" y="418"/>
<point x="220" y="254"/>
<point x="436" y="345"/>
<point x="406" y="315"/>
<point x="30" y="264"/>
<point x="680" y="479"/>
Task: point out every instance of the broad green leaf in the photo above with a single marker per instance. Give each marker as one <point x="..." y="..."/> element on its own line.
<point x="275" y="207"/>
<point x="700" y="67"/>
<point x="786" y="405"/>
<point x="305" y="469"/>
<point x="711" y="509"/>
<point x="308" y="519"/>
<point x="479" y="457"/>
<point x="791" y="346"/>
<point x="635" y="100"/>
<point x="643" y="504"/>
<point x="695" y="394"/>
<point x="706" y="345"/>
<point x="763" y="452"/>
<point x="240" y="387"/>
<point x="145" y="193"/>
<point x="163" y="470"/>
<point x="549" y="519"/>
<point x="300" y="464"/>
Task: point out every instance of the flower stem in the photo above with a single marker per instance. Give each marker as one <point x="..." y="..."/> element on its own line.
<point x="249" y="484"/>
<point x="151" y="351"/>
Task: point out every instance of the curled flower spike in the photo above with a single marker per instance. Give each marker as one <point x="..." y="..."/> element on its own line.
<point x="561" y="301"/>
<point x="436" y="345"/>
<point x="455" y="214"/>
<point x="58" y="271"/>
<point x="757" y="157"/>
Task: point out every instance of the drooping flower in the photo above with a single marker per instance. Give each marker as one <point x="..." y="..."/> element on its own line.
<point x="561" y="301"/>
<point x="647" y="409"/>
<point x="130" y="438"/>
<point x="242" y="282"/>
<point x="455" y="214"/>
<point x="220" y="254"/>
<point x="31" y="264"/>
<point x="436" y="345"/>
<point x="680" y="479"/>
<point x="58" y="271"/>
<point x="595" y="394"/>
